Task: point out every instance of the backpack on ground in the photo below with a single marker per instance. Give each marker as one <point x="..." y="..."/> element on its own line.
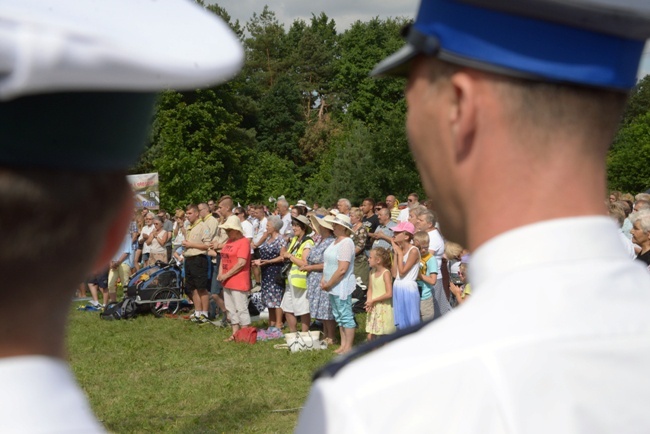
<point x="125" y="309"/>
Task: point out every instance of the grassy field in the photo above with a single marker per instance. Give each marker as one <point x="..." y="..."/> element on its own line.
<point x="173" y="376"/>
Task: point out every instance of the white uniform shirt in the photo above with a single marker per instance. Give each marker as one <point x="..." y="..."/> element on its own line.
<point x="40" y="395"/>
<point x="555" y="339"/>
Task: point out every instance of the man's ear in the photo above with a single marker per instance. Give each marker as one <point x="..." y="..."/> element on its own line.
<point x="463" y="112"/>
<point x="114" y="237"/>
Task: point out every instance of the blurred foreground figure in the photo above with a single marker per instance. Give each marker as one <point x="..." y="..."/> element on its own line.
<point x="512" y="106"/>
<point x="78" y="81"/>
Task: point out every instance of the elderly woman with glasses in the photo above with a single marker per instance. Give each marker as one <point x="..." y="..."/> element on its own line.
<point x="156" y="241"/>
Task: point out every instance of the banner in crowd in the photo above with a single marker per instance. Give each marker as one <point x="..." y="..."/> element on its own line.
<point x="145" y="189"/>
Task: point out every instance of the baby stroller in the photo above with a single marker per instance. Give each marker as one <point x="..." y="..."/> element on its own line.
<point x="158" y="287"/>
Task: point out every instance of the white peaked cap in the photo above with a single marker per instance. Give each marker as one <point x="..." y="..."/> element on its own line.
<point x="112" y="45"/>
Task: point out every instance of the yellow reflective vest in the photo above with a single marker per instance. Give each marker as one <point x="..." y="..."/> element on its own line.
<point x="297" y="278"/>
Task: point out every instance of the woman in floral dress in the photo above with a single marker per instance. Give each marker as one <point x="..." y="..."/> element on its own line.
<point x="271" y="263"/>
<point x="319" y="302"/>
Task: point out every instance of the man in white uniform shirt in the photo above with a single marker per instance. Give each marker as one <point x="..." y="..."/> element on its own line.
<point x="509" y="103"/>
<point x="78" y="84"/>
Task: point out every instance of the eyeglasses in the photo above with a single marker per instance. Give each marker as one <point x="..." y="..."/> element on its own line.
<point x="378" y="208"/>
<point x="149" y="219"/>
<point x="410" y="200"/>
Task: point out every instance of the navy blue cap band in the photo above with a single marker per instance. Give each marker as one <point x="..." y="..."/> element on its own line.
<point x="533" y="47"/>
<point x="84" y="131"/>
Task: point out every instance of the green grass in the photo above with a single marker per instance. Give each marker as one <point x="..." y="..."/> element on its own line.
<point x="173" y="376"/>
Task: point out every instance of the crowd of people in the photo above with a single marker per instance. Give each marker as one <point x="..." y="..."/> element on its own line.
<point x="309" y="265"/>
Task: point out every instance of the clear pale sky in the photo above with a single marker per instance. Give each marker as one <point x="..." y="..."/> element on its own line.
<point x="344" y="13"/>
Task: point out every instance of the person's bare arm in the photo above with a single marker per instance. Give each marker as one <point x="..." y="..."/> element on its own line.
<point x="337" y="276"/>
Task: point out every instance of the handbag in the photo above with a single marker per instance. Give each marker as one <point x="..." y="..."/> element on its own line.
<point x="305" y="341"/>
<point x="280" y="279"/>
<point x="247" y="335"/>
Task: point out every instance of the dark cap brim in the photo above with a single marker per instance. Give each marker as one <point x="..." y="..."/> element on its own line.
<point x="397" y="64"/>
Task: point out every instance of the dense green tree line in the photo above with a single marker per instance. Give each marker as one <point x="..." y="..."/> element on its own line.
<point x="628" y="162"/>
<point x="302" y="119"/>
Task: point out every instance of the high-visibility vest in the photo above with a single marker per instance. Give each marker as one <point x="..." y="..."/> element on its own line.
<point x="297" y="278"/>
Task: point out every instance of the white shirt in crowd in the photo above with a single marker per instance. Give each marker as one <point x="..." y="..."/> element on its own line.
<point x="556" y="339"/>
<point x="144" y="234"/>
<point x="261" y="230"/>
<point x="437" y="246"/>
<point x="286" y="225"/>
<point x="247" y="229"/>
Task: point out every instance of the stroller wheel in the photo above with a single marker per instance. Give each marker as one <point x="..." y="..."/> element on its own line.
<point x="165" y="301"/>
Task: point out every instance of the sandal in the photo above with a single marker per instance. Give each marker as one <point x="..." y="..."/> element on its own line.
<point x="230" y="339"/>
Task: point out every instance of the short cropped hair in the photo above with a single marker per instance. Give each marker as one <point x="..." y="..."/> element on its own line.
<point x="192" y="206"/>
<point x="642" y="205"/>
<point x="642" y="196"/>
<point x="419" y="210"/>
<point x="228" y="201"/>
<point x="56" y="250"/>
<point x="369" y="199"/>
<point x="429" y="217"/>
<point x="643" y="217"/>
<point x="276" y="222"/>
<point x="421" y="237"/>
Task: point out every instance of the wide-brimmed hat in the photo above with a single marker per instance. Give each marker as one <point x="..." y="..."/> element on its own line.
<point x="304" y="220"/>
<point x="317" y="223"/>
<point x="302" y="203"/>
<point x="341" y="220"/>
<point x="404" y="227"/>
<point x="232" y="224"/>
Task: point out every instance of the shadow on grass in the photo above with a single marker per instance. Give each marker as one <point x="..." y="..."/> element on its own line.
<point x="238" y="415"/>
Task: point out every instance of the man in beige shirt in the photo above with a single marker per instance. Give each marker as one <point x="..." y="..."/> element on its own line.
<point x="224" y="209"/>
<point x="196" y="245"/>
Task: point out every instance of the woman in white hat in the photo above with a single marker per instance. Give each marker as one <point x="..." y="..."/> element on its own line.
<point x="294" y="302"/>
<point x="319" y="301"/>
<point x="338" y="279"/>
<point x="235" y="274"/>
